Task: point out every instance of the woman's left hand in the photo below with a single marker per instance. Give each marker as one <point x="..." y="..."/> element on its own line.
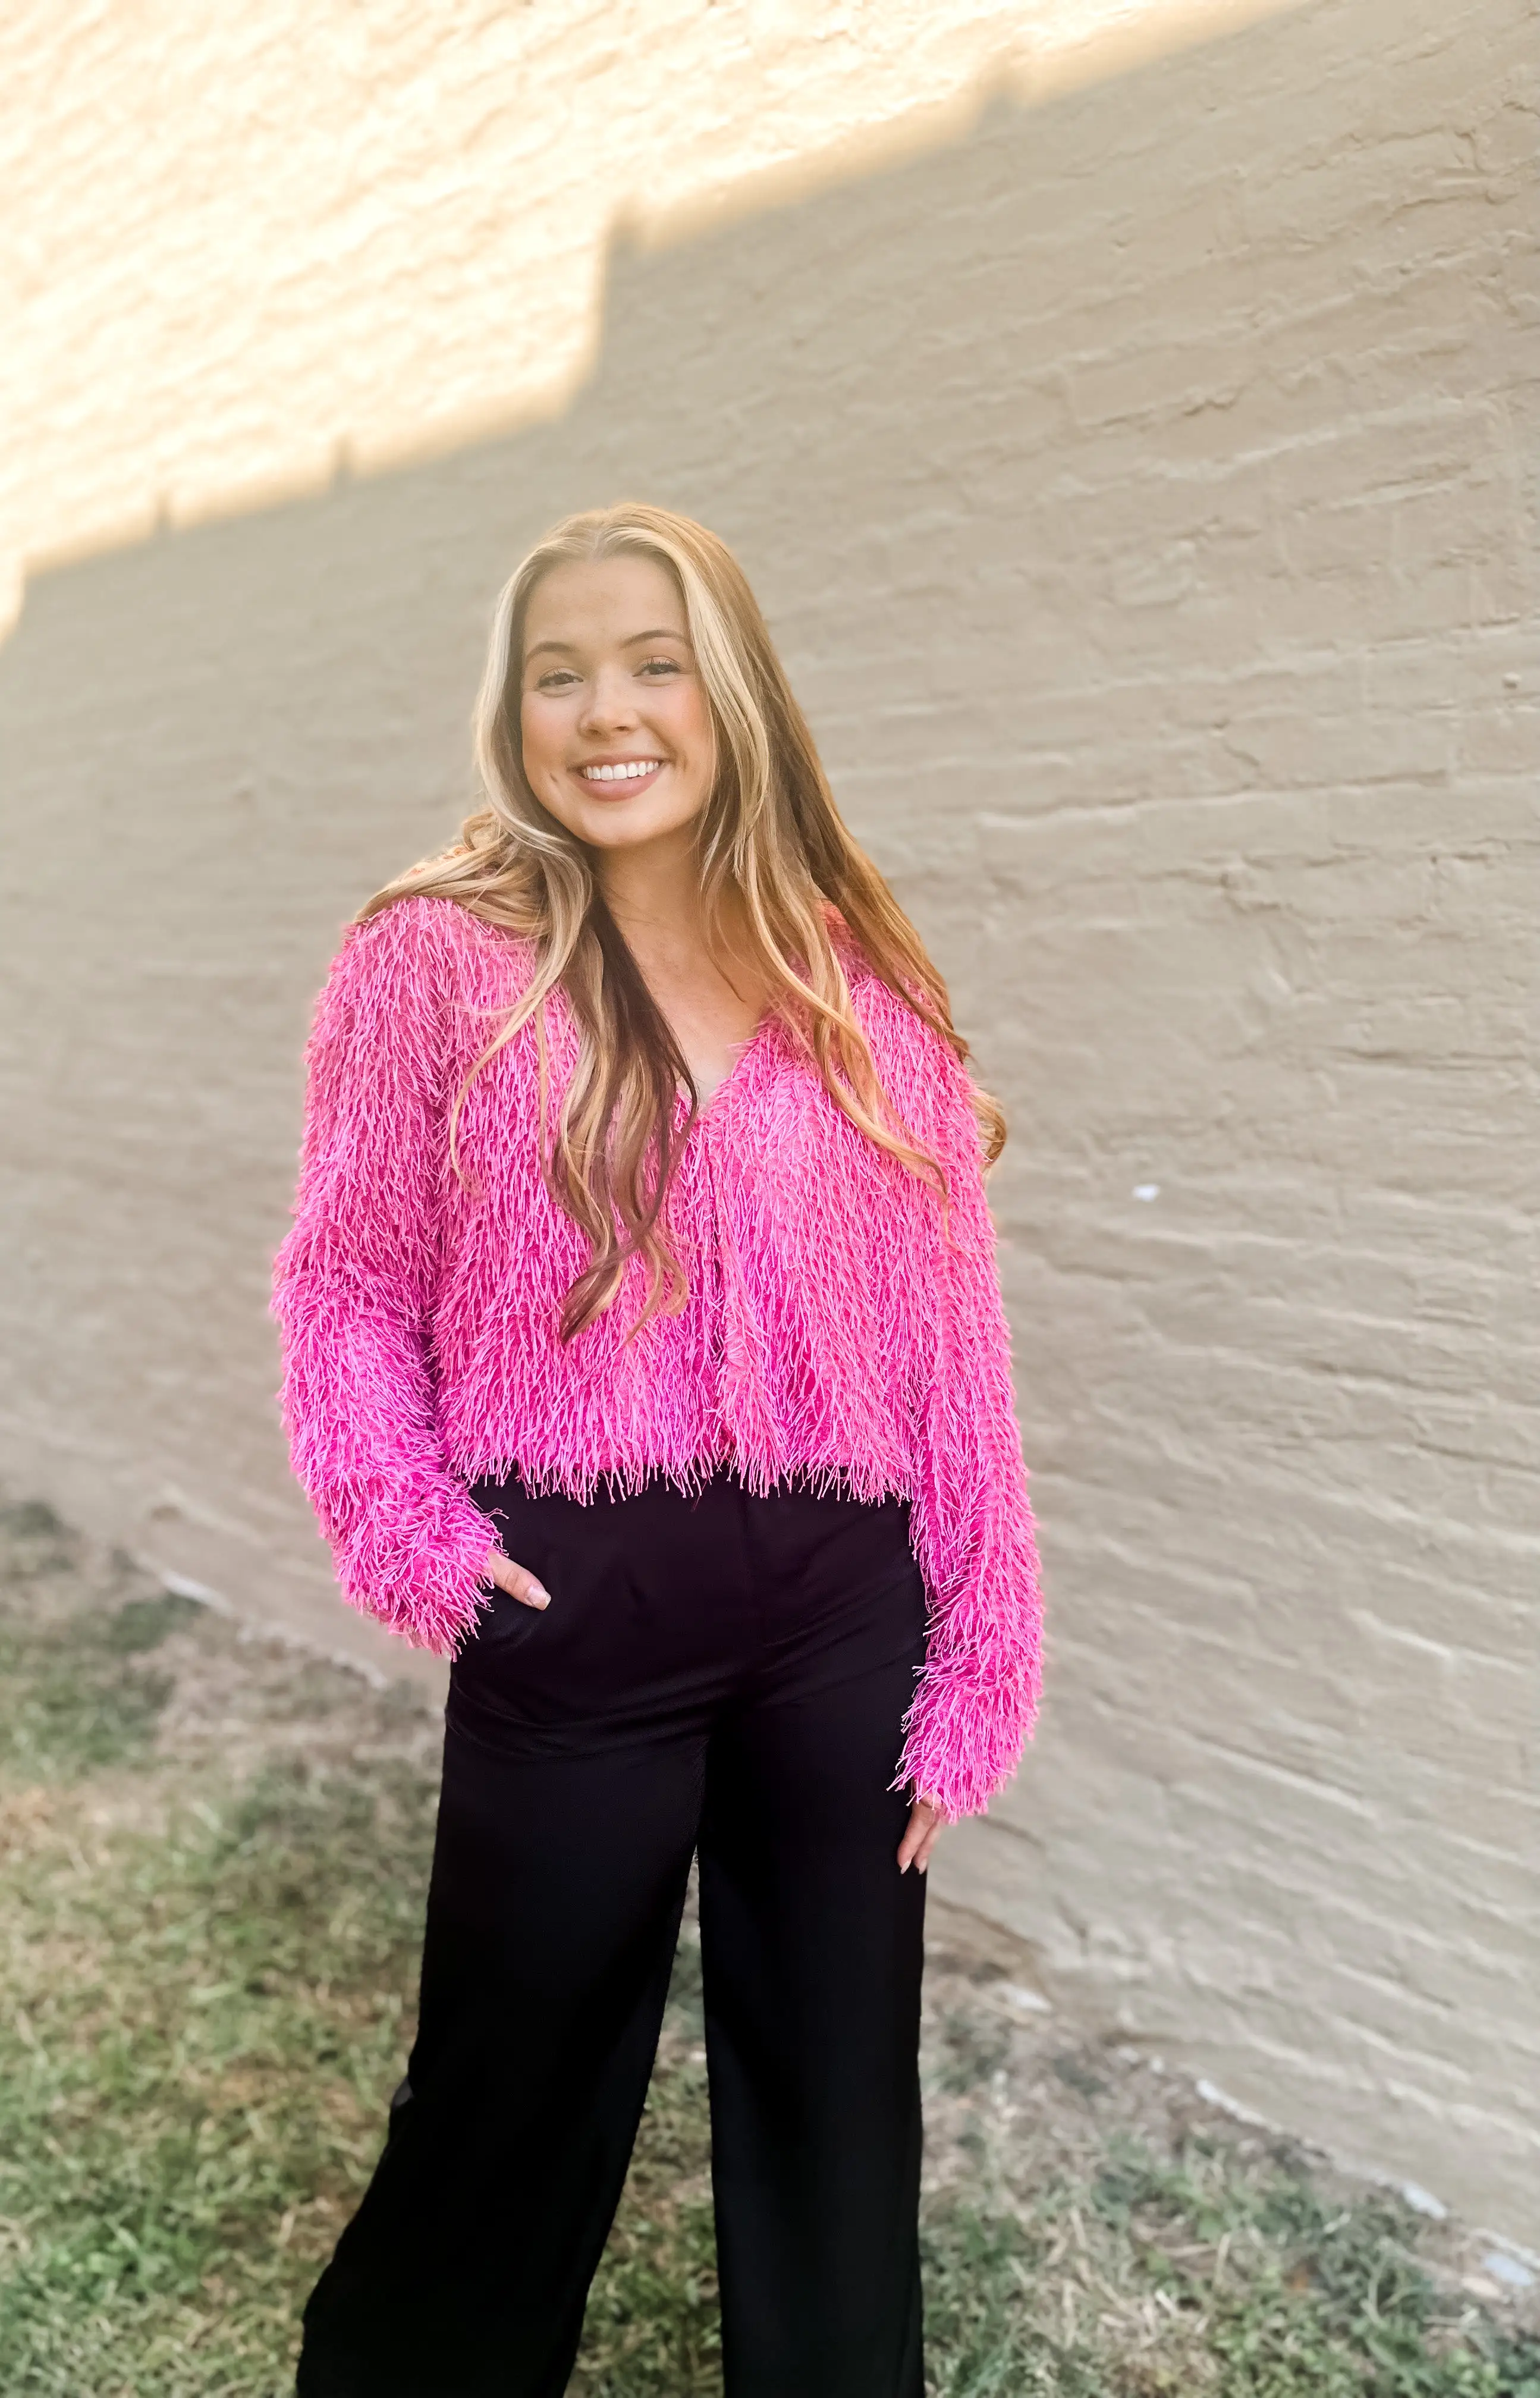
<point x="925" y="1822"/>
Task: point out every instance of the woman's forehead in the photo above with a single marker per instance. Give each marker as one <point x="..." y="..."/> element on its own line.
<point x="610" y="599"/>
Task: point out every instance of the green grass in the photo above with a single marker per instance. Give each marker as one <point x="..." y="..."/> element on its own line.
<point x="206" y="1974"/>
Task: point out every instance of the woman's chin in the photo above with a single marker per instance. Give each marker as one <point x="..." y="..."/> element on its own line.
<point x="627" y="824"/>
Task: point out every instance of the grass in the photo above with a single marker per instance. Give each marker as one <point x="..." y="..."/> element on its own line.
<point x="215" y="1859"/>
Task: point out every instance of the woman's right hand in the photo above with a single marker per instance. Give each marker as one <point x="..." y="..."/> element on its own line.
<point x="515" y="1580"/>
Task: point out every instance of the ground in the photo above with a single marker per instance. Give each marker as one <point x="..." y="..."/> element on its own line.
<point x="215" y="1855"/>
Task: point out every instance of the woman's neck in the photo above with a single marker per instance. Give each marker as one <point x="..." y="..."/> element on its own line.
<point x="654" y="895"/>
<point x="712" y="1002"/>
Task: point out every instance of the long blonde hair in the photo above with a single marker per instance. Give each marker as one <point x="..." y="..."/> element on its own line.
<point x="770" y="832"/>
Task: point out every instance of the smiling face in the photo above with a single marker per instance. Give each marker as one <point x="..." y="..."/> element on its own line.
<point x="617" y="733"/>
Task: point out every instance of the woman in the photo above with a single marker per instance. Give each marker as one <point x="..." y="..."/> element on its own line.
<point x="644" y="1356"/>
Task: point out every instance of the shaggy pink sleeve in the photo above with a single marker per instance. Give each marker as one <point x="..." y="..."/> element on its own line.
<point x="353" y="1281"/>
<point x="971" y="1521"/>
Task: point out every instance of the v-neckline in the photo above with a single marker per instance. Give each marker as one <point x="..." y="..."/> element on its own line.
<point x="745" y="1049"/>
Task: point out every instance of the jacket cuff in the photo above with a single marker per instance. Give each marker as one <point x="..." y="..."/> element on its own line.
<point x="963" y="1737"/>
<point x="413" y="1556"/>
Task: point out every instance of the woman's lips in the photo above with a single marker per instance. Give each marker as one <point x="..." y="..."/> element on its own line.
<point x="619" y="786"/>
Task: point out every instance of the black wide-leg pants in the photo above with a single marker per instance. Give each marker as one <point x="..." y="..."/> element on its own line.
<point x="720" y="1673"/>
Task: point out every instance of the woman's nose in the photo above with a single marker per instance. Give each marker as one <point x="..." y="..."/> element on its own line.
<point x="609" y="703"/>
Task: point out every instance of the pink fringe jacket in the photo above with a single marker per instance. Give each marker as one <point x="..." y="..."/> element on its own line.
<point x="829" y="1325"/>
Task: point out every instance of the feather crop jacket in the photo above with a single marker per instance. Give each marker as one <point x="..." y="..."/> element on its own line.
<point x="833" y="1328"/>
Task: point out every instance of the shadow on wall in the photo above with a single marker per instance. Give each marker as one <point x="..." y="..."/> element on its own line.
<point x="1131" y="488"/>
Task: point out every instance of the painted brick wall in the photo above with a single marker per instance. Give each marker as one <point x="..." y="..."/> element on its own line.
<point x="1136" y="477"/>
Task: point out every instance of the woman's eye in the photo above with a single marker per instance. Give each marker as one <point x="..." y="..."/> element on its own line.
<point x="659" y="666"/>
<point x="557" y="680"/>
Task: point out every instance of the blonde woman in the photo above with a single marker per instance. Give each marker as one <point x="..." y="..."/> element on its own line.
<point x="644" y="1356"/>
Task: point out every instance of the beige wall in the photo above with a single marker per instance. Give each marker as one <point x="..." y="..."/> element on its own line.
<point x="244" y="245"/>
<point x="1132" y="465"/>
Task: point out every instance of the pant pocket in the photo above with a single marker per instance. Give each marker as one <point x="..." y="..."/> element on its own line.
<point x="506" y="1621"/>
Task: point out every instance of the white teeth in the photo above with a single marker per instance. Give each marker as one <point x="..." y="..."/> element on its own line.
<point x="628" y="772"/>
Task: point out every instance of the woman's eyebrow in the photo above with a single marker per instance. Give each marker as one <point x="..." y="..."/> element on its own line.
<point x="657" y="633"/>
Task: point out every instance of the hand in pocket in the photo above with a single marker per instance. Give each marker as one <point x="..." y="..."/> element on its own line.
<point x="515" y="1580"/>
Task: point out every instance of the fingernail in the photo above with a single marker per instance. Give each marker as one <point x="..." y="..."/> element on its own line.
<point x="540" y="1596"/>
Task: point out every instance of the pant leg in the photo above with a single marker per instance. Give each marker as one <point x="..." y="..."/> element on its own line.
<point x="572" y="1784"/>
<point x="553" y="1915"/>
<point x="813" y="1952"/>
